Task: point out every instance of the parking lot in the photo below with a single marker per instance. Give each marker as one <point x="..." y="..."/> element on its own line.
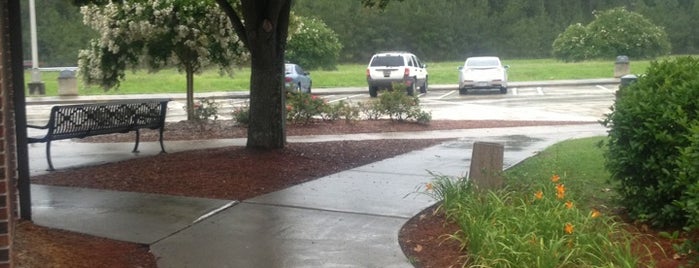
<point x="586" y="102"/>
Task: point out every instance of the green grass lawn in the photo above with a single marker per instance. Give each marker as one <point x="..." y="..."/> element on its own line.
<point x="346" y="75"/>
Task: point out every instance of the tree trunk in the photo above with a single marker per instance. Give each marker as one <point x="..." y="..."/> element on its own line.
<point x="190" y="93"/>
<point x="266" y="24"/>
<point x="263" y="29"/>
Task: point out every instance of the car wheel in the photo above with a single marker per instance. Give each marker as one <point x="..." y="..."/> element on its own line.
<point x="423" y="88"/>
<point x="463" y="91"/>
<point x="309" y="88"/>
<point x="411" y="88"/>
<point x="503" y="90"/>
<point x="298" y="88"/>
<point x="372" y="91"/>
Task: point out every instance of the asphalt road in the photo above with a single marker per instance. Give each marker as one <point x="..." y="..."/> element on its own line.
<point x="579" y="100"/>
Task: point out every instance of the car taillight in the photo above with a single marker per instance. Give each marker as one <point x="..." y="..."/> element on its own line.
<point x="406" y="73"/>
<point x="287" y="79"/>
<point x="368" y="73"/>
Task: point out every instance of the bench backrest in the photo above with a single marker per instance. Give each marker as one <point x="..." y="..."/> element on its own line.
<point x="82" y="120"/>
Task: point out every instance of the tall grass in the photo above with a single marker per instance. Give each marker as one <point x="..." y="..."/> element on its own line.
<point x="346" y="75"/>
<point x="548" y="215"/>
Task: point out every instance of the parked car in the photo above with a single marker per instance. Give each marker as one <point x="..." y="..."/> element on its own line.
<point x="387" y="68"/>
<point x="296" y="79"/>
<point x="482" y="73"/>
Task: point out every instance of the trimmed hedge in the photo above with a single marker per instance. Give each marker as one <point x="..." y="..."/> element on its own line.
<point x="653" y="149"/>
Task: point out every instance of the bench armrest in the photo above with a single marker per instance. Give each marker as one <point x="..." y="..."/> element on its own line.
<point x="39" y="127"/>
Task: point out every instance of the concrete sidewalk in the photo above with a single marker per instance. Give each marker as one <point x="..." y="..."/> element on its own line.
<point x="348" y="219"/>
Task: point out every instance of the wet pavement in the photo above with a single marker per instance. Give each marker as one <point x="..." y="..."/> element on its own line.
<point x="348" y="219"/>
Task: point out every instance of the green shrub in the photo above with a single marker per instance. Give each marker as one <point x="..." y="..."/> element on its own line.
<point x="573" y="44"/>
<point x="301" y="107"/>
<point x="241" y="115"/>
<point x="205" y="109"/>
<point x="401" y="107"/>
<point x="653" y="143"/>
<point x="313" y="44"/>
<point x="370" y="110"/>
<point x="613" y="32"/>
<point x="341" y="110"/>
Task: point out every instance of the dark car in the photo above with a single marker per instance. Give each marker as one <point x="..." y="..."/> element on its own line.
<point x="296" y="79"/>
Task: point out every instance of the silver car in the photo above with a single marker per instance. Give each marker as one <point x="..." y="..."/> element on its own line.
<point x="296" y="79"/>
<point x="482" y="73"/>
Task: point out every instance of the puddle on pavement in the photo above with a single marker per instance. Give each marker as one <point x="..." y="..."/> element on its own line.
<point x="511" y="142"/>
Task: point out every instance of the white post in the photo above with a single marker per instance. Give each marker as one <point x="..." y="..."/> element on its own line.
<point x="36" y="74"/>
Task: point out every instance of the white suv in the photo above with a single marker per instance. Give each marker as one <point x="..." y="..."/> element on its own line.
<point x="387" y="68"/>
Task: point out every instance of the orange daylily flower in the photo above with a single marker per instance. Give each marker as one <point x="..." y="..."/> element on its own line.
<point x="569" y="204"/>
<point x="569" y="228"/>
<point x="429" y="186"/>
<point x="539" y="194"/>
<point x="555" y="178"/>
<point x="560" y="191"/>
<point x="595" y="213"/>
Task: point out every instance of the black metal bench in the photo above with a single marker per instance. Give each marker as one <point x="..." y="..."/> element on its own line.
<point x="84" y="120"/>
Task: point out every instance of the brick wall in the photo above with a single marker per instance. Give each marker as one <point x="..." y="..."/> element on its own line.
<point x="7" y="140"/>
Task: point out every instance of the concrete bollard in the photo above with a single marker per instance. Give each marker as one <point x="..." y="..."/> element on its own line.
<point x="486" y="165"/>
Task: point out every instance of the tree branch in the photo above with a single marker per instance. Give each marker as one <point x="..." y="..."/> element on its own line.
<point x="235" y="21"/>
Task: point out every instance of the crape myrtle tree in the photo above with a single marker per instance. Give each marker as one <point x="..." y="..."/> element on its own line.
<point x="262" y="27"/>
<point x="188" y="34"/>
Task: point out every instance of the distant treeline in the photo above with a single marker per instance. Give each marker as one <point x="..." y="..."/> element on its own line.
<point x="451" y="30"/>
<point x="436" y="30"/>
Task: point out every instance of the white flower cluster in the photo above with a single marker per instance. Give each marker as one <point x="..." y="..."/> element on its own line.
<point x="158" y="33"/>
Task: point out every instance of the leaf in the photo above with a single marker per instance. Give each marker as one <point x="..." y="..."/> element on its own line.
<point x="417" y="248"/>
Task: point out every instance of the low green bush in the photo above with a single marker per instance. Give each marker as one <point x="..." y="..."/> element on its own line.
<point x="303" y="108"/>
<point x="400" y="107"/>
<point x="205" y="109"/>
<point x="653" y="149"/>
<point x="341" y="110"/>
<point x="241" y="115"/>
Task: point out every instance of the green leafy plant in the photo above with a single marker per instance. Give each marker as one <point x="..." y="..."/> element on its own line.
<point x="613" y="32"/>
<point x="370" y="110"/>
<point x="341" y="110"/>
<point x="205" y="109"/>
<point x="241" y="115"/>
<point x="313" y="44"/>
<point x="653" y="144"/>
<point x="540" y="218"/>
<point x="301" y="108"/>
<point x="400" y="107"/>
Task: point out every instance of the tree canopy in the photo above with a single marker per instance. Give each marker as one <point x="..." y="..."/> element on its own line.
<point x="436" y="30"/>
<point x="190" y="35"/>
<point x="613" y="32"/>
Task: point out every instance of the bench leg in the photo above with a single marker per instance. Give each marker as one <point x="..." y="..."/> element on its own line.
<point x="48" y="155"/>
<point x="138" y="136"/>
<point x="162" y="146"/>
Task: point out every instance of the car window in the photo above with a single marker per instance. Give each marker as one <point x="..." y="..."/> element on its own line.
<point x="482" y="63"/>
<point x="390" y="61"/>
<point x="299" y="70"/>
<point x="418" y="63"/>
<point x="289" y="68"/>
